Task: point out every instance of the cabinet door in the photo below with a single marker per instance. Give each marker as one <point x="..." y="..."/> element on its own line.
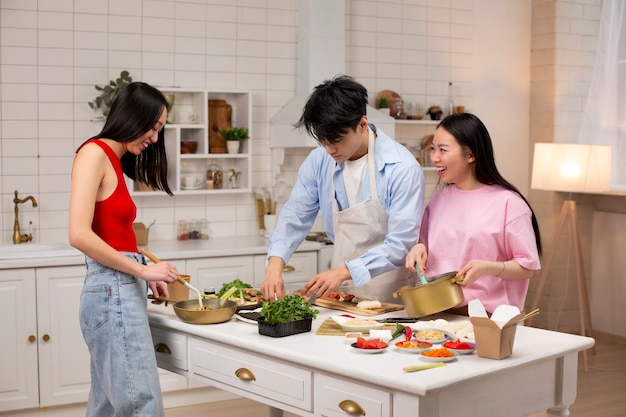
<point x="18" y="340"/>
<point x="301" y="267"/>
<point x="215" y="272"/>
<point x="63" y="355"/>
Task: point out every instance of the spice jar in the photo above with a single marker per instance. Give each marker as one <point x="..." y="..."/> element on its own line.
<point x="182" y="233"/>
<point x="215" y="174"/>
<point x="204" y="229"/>
<point x="194" y="229"/>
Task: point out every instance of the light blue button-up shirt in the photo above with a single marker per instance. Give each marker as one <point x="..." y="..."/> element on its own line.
<point x="400" y="183"/>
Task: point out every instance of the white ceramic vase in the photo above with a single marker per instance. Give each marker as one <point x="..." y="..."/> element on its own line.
<point x="233" y="146"/>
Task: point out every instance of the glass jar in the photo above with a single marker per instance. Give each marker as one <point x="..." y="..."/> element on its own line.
<point x="214" y="173"/>
<point x="182" y="232"/>
<point x="204" y="229"/>
<point x="194" y="229"/>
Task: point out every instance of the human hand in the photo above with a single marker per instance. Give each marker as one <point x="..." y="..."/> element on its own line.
<point x="273" y="287"/>
<point x="159" y="290"/>
<point x="327" y="282"/>
<point x="162" y="271"/>
<point x="417" y="255"/>
<point x="473" y="270"/>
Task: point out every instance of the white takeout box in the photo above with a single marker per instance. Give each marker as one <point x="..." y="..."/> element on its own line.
<point x="494" y="336"/>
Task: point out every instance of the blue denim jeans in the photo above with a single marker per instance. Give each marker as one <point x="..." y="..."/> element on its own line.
<point x="114" y="322"/>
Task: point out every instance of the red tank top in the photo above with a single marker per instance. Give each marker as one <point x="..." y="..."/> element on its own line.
<point x="113" y="217"/>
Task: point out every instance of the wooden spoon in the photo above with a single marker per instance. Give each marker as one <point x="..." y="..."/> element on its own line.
<point x="180" y="279"/>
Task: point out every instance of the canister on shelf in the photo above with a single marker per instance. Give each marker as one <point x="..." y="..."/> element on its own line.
<point x="214" y="173"/>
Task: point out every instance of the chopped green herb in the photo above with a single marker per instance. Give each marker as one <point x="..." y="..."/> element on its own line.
<point x="237" y="283"/>
<point x="289" y="308"/>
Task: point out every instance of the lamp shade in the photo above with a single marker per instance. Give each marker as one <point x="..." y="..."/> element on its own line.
<point x="571" y="167"/>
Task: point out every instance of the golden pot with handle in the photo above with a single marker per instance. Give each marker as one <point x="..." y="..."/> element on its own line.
<point x="440" y="293"/>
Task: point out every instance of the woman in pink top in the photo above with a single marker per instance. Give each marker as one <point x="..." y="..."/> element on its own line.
<point x="478" y="223"/>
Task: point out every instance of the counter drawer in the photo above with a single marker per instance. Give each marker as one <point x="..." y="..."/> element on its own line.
<point x="171" y="349"/>
<point x="287" y="384"/>
<point x="330" y="392"/>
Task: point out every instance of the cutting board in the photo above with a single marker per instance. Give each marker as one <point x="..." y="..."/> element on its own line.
<point x="352" y="308"/>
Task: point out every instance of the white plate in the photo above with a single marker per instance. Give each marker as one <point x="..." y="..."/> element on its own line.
<point x="463" y="351"/>
<point x="411" y="349"/>
<point x="359" y="350"/>
<point x="240" y="317"/>
<point x="198" y="187"/>
<point x="433" y="341"/>
<point x="344" y="323"/>
<point x="431" y="359"/>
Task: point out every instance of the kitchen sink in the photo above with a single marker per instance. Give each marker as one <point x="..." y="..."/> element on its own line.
<point x="37" y="250"/>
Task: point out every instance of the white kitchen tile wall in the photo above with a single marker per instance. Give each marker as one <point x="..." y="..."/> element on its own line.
<point x="52" y="53"/>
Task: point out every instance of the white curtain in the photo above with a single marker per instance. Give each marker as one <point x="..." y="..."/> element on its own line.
<point x="604" y="119"/>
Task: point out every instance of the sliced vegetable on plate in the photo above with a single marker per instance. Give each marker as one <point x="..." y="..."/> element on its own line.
<point x="375" y="345"/>
<point x="438" y="355"/>
<point x="460" y="347"/>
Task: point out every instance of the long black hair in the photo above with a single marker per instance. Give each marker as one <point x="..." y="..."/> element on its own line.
<point x="470" y="132"/>
<point x="333" y="109"/>
<point x="135" y="111"/>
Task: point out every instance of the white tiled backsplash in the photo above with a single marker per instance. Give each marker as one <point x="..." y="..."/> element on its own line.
<point x="52" y="53"/>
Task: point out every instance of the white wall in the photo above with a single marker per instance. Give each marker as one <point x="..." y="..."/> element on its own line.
<point x="52" y="53"/>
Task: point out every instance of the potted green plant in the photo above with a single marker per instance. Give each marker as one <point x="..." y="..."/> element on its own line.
<point x="109" y="92"/>
<point x="290" y="315"/>
<point x="233" y="136"/>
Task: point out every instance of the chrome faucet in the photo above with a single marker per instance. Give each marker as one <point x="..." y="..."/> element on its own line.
<point x="17" y="236"/>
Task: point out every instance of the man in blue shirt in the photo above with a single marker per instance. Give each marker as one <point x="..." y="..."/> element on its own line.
<point x="369" y="190"/>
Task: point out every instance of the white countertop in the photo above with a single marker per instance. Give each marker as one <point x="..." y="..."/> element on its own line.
<point x="331" y="353"/>
<point x="44" y="255"/>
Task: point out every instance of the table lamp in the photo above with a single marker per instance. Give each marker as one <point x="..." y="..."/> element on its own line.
<point x="573" y="168"/>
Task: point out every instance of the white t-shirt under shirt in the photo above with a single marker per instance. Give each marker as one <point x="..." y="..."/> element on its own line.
<point x="490" y="223"/>
<point x="353" y="173"/>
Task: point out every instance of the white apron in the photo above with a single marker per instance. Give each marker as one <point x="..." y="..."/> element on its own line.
<point x="359" y="228"/>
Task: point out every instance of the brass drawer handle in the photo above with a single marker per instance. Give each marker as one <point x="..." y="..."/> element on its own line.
<point x="245" y="374"/>
<point x="46" y="337"/>
<point x="32" y="338"/>
<point x="351" y="407"/>
<point x="288" y="268"/>
<point x="162" y="348"/>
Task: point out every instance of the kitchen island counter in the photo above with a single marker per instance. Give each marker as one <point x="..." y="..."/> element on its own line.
<point x="312" y="375"/>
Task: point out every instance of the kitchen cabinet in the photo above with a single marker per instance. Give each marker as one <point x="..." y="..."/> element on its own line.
<point x="295" y="373"/>
<point x="301" y="267"/>
<point x="63" y="356"/>
<point x="339" y="396"/>
<point x="45" y="360"/>
<point x="262" y="378"/>
<point x="44" y="352"/>
<point x="19" y="385"/>
<point x="214" y="272"/>
<point x="196" y="128"/>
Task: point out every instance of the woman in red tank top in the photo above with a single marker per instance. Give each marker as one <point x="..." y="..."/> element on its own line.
<point x="113" y="316"/>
